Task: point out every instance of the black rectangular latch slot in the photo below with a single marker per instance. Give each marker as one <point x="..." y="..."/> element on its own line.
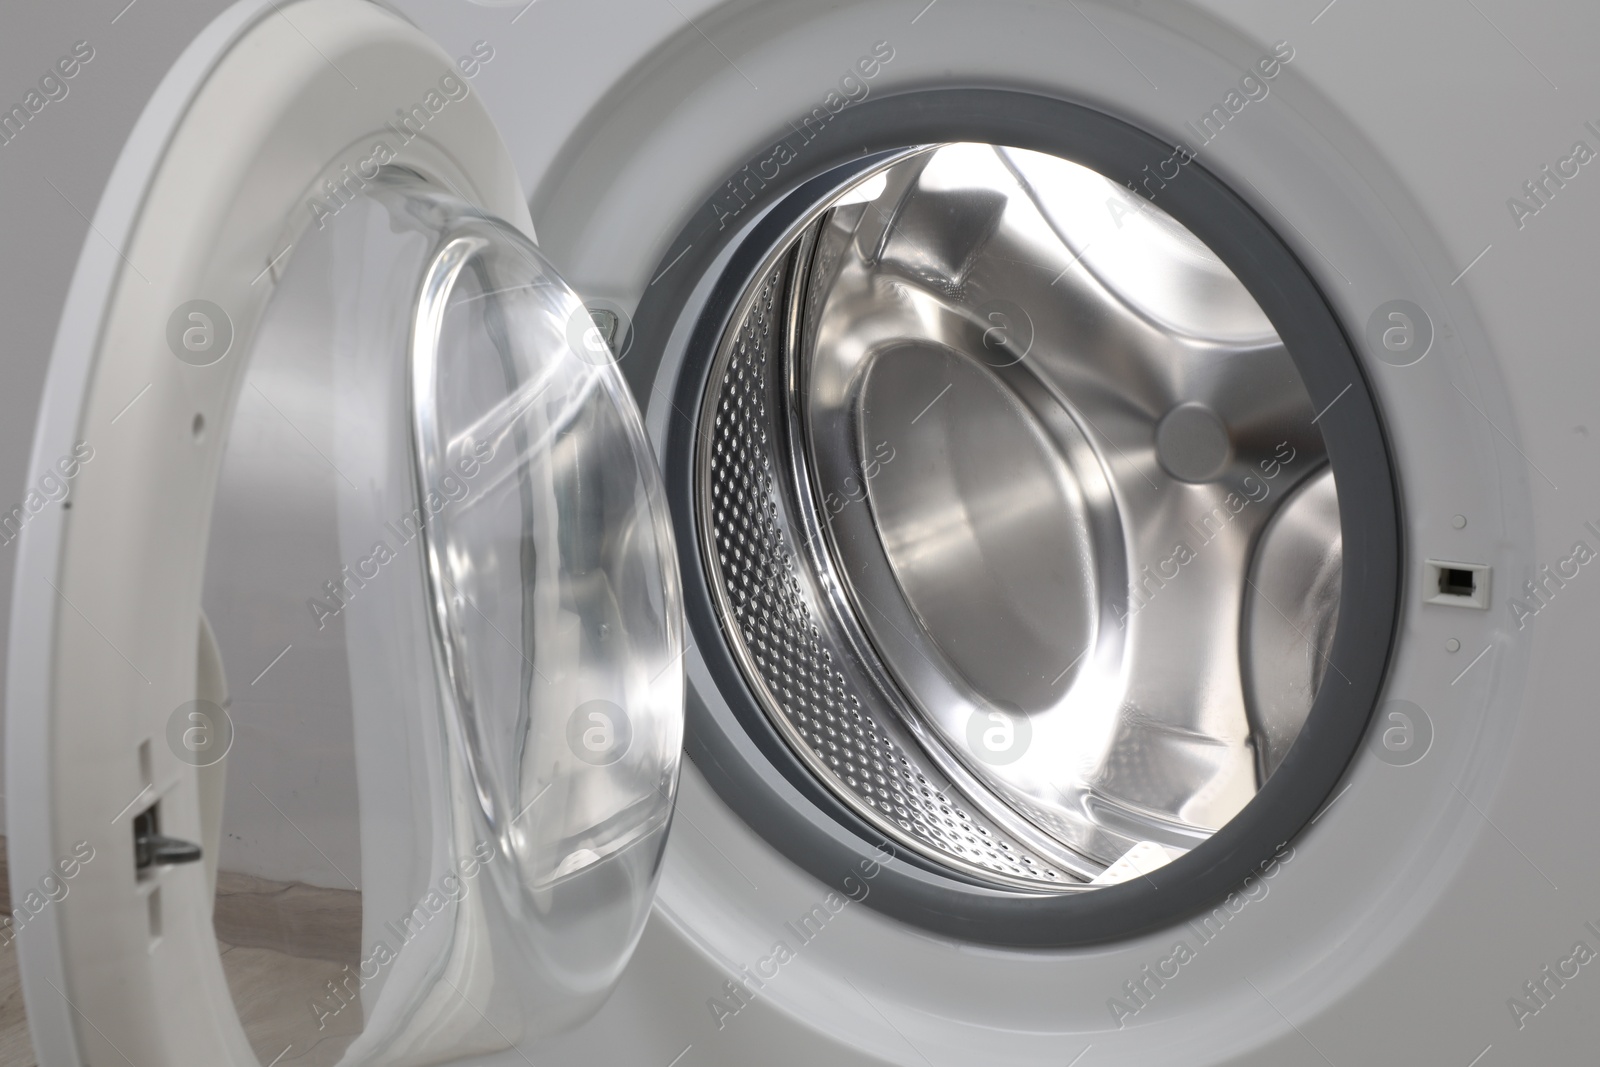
<point x="153" y="849"/>
<point x="1457" y="581"/>
<point x="1456" y="584"/>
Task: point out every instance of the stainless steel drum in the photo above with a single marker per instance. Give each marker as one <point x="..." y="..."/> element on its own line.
<point x="1017" y="518"/>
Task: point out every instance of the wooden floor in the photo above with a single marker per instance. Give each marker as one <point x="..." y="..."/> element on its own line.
<point x="16" y="1048"/>
<point x="273" y="993"/>
<point x="280" y="944"/>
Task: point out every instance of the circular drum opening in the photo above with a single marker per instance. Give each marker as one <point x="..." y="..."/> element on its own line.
<point x="1017" y="510"/>
<point x="1042" y="533"/>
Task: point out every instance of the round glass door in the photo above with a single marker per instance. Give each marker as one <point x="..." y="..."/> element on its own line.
<point x="441" y="588"/>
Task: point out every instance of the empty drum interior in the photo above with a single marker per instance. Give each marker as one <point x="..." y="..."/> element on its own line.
<point x="1017" y="518"/>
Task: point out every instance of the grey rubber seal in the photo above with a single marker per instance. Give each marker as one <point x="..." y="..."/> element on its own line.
<point x="772" y="791"/>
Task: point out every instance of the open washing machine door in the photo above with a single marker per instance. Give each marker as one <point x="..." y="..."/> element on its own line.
<point x="348" y="704"/>
<point x="1114" y="484"/>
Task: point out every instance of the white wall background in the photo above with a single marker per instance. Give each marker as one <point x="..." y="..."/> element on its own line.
<point x="51" y="179"/>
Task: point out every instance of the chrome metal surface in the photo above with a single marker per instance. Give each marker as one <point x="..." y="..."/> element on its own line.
<point x="1295" y="580"/>
<point x="986" y="459"/>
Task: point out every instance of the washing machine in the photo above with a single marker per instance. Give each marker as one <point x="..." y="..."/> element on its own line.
<point x="714" y="533"/>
